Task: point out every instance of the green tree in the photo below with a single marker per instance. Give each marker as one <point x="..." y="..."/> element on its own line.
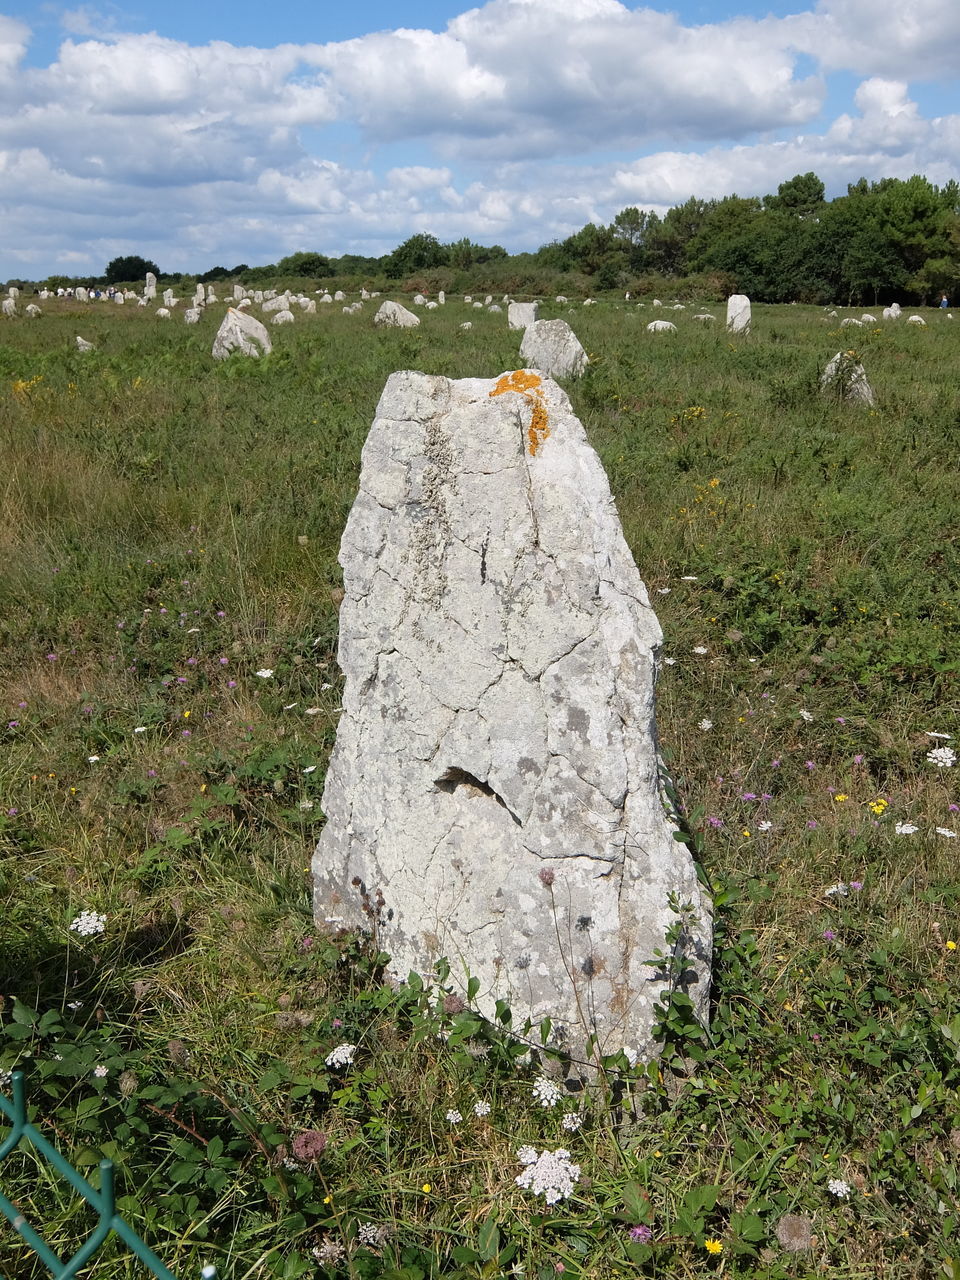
<point x="419" y="253"/>
<point x="802" y="196"/>
<point x="304" y="264"/>
<point x="128" y="269"/>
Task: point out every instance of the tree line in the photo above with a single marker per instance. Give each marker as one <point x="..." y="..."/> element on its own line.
<point x="883" y="240"/>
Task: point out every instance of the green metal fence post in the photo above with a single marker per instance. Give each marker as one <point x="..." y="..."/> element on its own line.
<point x="103" y="1200"/>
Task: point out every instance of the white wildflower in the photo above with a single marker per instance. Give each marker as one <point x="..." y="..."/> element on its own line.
<point x="700" y="648"/>
<point x="705" y="724"/>
<point x="481" y="1108"/>
<point x="312" y="711"/>
<point x="945" y="831"/>
<point x="572" y="1121"/>
<point x="942" y="757"/>
<point x="838" y="890"/>
<point x="527" y="1155"/>
<point x="341" y="1056"/>
<point x="328" y="1251"/>
<point x="89" y="923"/>
<point x="265" y="673"/>
<point x="550" y="1175"/>
<point x="546" y="1092"/>
<point x="141" y="728"/>
<point x="765" y="826"/>
<point x="92" y="759"/>
<point x="454" y="1117"/>
<point x="837" y="1187"/>
<point x="906" y="829"/>
<point x="370" y="1234"/>
<point x="669" y="662"/>
<point x="101" y="1071"/>
<point x="931" y="734"/>
<point x="806" y="715"/>
<point x="664" y="591"/>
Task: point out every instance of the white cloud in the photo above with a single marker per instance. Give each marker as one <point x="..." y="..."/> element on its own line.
<point x="14" y="38"/>
<point x="518" y="124"/>
<point x="916" y="39"/>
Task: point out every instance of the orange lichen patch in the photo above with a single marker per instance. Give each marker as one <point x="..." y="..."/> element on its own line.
<point x="527" y="385"/>
<point x="520" y="380"/>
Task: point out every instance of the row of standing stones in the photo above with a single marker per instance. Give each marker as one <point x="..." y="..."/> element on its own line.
<point x="495" y="797"/>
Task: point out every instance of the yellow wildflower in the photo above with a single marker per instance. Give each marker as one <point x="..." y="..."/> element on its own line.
<point x="713" y="1246"/>
<point x="841" y="796"/>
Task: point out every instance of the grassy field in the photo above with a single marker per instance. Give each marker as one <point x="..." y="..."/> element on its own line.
<point x="168" y="608"/>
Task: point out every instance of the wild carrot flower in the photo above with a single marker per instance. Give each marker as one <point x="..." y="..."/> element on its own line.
<point x="942" y="757"/>
<point x="341" y="1056"/>
<point x="546" y="1092"/>
<point x="550" y="1174"/>
<point x="839" y="1188"/>
<point x="89" y="923"/>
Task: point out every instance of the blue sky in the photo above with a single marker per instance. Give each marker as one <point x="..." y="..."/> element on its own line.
<point x="211" y="133"/>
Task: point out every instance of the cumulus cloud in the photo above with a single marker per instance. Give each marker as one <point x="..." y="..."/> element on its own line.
<point x="520" y="122"/>
<point x="909" y="39"/>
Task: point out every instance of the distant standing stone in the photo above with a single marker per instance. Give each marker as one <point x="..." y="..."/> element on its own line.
<point x="393" y="314"/>
<point x="661" y="326"/>
<point x="522" y="314"/>
<point x="241" y="332"/>
<point x="83" y="345"/>
<point x="192" y="315"/>
<point x="846" y="378"/>
<point x="552" y="347"/>
<point x="738" y="313"/>
<point x="494" y="793"/>
<point x="283" y="317"/>
<point x="9" y="307"/>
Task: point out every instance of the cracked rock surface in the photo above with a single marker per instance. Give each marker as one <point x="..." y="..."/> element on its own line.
<point x="493" y="797"/>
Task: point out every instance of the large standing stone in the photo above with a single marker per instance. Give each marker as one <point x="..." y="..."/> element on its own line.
<point x="392" y="313"/>
<point x="738" y="313"/>
<point x="552" y="347"/>
<point x="522" y="314"/>
<point x="150" y="286"/>
<point x="240" y="332"/>
<point x="9" y="306"/>
<point x="846" y="378"/>
<point x="494" y="793"/>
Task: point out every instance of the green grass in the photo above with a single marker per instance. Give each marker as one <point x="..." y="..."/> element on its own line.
<point x="169" y="527"/>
